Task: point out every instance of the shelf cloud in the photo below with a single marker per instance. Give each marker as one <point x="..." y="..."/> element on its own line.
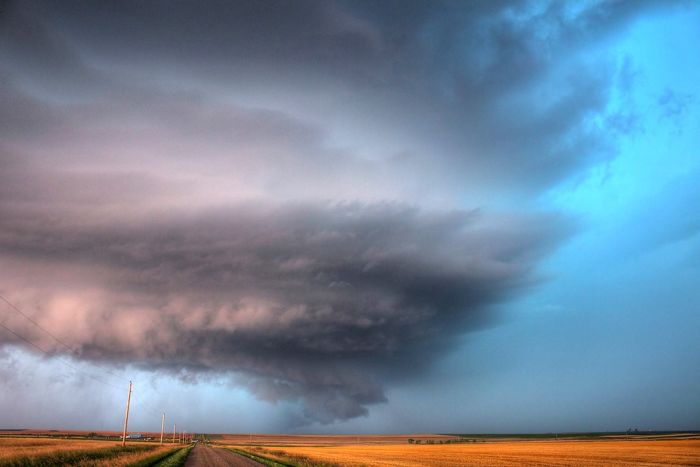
<point x="315" y="198"/>
<point x="305" y="302"/>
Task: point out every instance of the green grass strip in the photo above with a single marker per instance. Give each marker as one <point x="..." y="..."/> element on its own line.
<point x="177" y="459"/>
<point x="262" y="460"/>
<point x="290" y="460"/>
<point x="71" y="457"/>
<point x="155" y="459"/>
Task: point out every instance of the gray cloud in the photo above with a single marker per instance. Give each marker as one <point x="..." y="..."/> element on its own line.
<point x="280" y="190"/>
<point x="473" y="96"/>
<point x="308" y="302"/>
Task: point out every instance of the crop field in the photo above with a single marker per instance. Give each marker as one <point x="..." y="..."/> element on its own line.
<point x="13" y="447"/>
<point x="369" y="451"/>
<point x="502" y="453"/>
<point x="322" y="440"/>
<point x="50" y="451"/>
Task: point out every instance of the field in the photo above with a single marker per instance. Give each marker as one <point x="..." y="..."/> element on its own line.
<point x="82" y="452"/>
<point x="326" y="440"/>
<point x="491" y="452"/>
<point x="372" y="450"/>
<point x="14" y="447"/>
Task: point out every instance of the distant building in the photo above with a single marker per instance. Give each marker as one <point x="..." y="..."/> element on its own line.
<point x="134" y="436"/>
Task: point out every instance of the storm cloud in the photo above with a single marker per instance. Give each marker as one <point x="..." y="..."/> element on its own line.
<point x="471" y="97"/>
<point x="306" y="302"/>
<point x="316" y="198"/>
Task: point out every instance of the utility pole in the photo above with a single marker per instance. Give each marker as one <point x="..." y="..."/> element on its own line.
<point x="126" y="416"/>
<point x="162" y="427"/>
<point x="174" y="425"/>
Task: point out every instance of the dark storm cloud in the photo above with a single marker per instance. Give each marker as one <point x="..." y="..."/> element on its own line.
<point x="498" y="92"/>
<point x="316" y="303"/>
<point x="171" y="177"/>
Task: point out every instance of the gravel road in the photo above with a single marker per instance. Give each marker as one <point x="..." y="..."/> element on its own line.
<point x="204" y="456"/>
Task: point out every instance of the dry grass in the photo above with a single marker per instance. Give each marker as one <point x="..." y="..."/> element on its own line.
<point x="12" y="450"/>
<point x="15" y="447"/>
<point x="128" y="458"/>
<point x="533" y="453"/>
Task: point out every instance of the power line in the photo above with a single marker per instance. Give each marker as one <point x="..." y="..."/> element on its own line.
<point x="145" y="405"/>
<point x="36" y="324"/>
<point x="25" y="340"/>
<point x="53" y="336"/>
<point x="73" y="351"/>
<point x="46" y="352"/>
<point x="59" y="341"/>
<point x="148" y="406"/>
<point x="62" y="343"/>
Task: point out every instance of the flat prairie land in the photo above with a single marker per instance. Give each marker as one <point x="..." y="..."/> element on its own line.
<point x="504" y="453"/>
<point x="65" y="433"/>
<point x="322" y="440"/>
<point x="127" y="459"/>
<point x="13" y="447"/>
<point x="51" y="451"/>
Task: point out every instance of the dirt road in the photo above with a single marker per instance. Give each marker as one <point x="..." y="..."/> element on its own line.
<point x="204" y="456"/>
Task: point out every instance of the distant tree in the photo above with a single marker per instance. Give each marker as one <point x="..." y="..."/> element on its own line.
<point x="411" y="440"/>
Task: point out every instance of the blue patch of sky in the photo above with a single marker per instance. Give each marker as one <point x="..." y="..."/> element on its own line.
<point x="610" y="339"/>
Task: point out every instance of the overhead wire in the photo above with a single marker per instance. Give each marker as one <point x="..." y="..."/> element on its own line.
<point x="53" y="336"/>
<point x="28" y="318"/>
<point x="145" y="404"/>
<point x="46" y="352"/>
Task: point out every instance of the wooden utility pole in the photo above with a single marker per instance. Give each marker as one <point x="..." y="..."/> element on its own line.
<point x="126" y="416"/>
<point x="174" y="425"/>
<point x="162" y="427"/>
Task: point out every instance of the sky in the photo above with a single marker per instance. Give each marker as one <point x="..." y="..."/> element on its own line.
<point x="350" y="216"/>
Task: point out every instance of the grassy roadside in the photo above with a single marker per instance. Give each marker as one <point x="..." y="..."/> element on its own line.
<point x="263" y="460"/>
<point x="280" y="458"/>
<point x="173" y="458"/>
<point x="71" y="457"/>
<point x="178" y="459"/>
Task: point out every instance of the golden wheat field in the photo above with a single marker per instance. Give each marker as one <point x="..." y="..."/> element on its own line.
<point x="127" y="459"/>
<point x="532" y="453"/>
<point x="323" y="440"/>
<point x="12" y="448"/>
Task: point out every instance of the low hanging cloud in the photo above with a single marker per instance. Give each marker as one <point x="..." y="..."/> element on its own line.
<point x="315" y="303"/>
